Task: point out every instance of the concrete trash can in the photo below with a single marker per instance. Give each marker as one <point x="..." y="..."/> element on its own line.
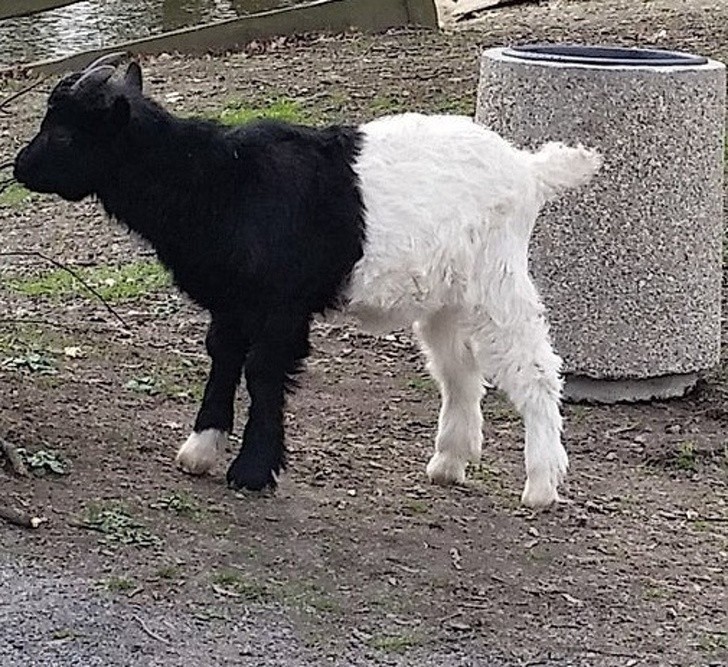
<point x="630" y="266"/>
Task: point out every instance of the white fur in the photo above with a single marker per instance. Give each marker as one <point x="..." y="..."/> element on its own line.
<point x="201" y="450"/>
<point x="450" y="208"/>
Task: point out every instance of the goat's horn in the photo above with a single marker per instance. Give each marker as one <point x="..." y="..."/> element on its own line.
<point x="96" y="76"/>
<point x="107" y="59"/>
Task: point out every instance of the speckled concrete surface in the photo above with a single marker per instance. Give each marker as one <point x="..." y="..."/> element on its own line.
<point x="629" y="267"/>
<point x="50" y="618"/>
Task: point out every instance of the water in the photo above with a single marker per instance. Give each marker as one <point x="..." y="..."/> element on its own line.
<point x="98" y="23"/>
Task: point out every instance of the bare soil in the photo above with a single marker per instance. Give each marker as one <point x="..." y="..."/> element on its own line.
<point x="356" y="559"/>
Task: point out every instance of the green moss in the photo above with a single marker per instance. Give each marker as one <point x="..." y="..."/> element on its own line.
<point x="13" y="195"/>
<point x="118" y="584"/>
<point x="285" y="109"/>
<point x="382" y="105"/>
<point x="394" y="643"/>
<point x="238" y="584"/>
<point x="114" y="283"/>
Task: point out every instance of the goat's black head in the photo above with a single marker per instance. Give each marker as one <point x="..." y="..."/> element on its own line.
<point x="82" y="135"/>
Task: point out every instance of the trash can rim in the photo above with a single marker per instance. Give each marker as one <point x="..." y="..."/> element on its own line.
<point x="602" y="56"/>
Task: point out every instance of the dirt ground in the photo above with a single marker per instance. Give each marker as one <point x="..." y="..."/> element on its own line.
<point x="356" y="560"/>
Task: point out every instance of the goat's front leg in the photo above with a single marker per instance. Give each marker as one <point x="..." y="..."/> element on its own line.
<point x="227" y="345"/>
<point x="273" y="361"/>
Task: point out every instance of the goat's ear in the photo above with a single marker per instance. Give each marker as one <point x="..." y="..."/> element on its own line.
<point x="118" y="113"/>
<point x="133" y="76"/>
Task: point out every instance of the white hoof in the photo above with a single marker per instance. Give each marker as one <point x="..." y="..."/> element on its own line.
<point x="541" y="490"/>
<point x="539" y="495"/>
<point x="201" y="450"/>
<point x="445" y="469"/>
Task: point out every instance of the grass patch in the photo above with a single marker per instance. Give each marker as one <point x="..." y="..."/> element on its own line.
<point x="578" y="414"/>
<point x="114" y="283"/>
<point x="183" y="379"/>
<point x="180" y="503"/>
<point x="307" y="596"/>
<point x="148" y="385"/>
<point x="412" y="506"/>
<point x="26" y="338"/>
<point x="185" y="382"/>
<point x="462" y="106"/>
<point x="688" y="456"/>
<point x="239" y="585"/>
<point x="497" y="408"/>
<point x="424" y="384"/>
<point x="169" y="572"/>
<point x="282" y="108"/>
<point x="685" y="459"/>
<point x="714" y="642"/>
<point x="118" y="584"/>
<point x="394" y="643"/>
<point x="304" y="596"/>
<point x="384" y="105"/>
<point x="117" y="526"/>
<point x="655" y="593"/>
<point x="13" y="196"/>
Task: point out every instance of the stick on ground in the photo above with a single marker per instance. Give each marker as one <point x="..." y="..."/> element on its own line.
<point x="146" y="629"/>
<point x="11" y="454"/>
<point x="18" y="517"/>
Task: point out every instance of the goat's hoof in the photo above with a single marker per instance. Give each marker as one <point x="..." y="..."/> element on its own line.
<point x="252" y="475"/>
<point x="201" y="450"/>
<point x="446" y="469"/>
<point x="541" y="490"/>
<point x="540" y="494"/>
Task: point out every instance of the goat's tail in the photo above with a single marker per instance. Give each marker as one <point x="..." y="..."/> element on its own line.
<point x="560" y="167"/>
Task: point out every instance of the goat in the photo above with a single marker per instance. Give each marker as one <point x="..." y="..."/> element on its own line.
<point x="407" y="221"/>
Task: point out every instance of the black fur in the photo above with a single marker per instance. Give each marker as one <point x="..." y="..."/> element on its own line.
<point x="260" y="225"/>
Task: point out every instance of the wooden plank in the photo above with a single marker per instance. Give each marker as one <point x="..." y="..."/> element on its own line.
<point x="469" y="8"/>
<point x="13" y="8"/>
<point x="422" y="12"/>
<point x="317" y="16"/>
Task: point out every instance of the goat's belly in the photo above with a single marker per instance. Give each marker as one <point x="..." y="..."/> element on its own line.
<point x="392" y="292"/>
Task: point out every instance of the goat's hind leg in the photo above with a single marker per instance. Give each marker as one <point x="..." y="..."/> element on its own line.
<point x="227" y="346"/>
<point x="518" y="358"/>
<point x="275" y="357"/>
<point x="460" y="426"/>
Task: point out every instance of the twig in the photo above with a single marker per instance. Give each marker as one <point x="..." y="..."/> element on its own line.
<point x="613" y="654"/>
<point x="76" y="326"/>
<point x="70" y="271"/>
<point x="671" y="516"/>
<point x="21" y="92"/>
<point x="475" y="605"/>
<point x="224" y="591"/>
<point x="469" y="12"/>
<point x="153" y="635"/>
<point x="19" y="518"/>
<point x="11" y="454"/>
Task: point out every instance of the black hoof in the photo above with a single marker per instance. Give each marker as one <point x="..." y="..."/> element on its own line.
<point x="253" y="473"/>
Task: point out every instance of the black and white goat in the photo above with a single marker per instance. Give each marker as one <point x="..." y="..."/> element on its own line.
<point x="407" y="221"/>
